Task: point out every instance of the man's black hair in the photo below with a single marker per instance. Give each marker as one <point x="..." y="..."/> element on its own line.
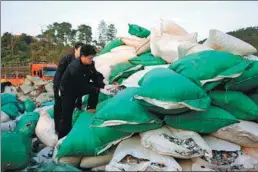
<point x="78" y="44"/>
<point x="87" y="50"/>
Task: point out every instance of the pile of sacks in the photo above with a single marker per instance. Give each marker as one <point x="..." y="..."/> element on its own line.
<point x="183" y="106"/>
<point x="20" y="107"/>
<point x="36" y="89"/>
<point x="16" y="101"/>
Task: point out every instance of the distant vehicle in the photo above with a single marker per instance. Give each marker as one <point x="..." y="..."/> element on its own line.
<point x="16" y="72"/>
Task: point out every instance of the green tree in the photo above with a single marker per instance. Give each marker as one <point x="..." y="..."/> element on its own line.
<point x="73" y="36"/>
<point x="66" y="29"/>
<point x="84" y="34"/>
<point x="6" y="49"/>
<point x="15" y="48"/>
<point x="102" y="33"/>
<point x="59" y="33"/>
<point x="111" y="32"/>
<point x="37" y="50"/>
<point x="21" y="49"/>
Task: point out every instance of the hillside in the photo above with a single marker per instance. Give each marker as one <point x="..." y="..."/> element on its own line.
<point x="249" y="34"/>
<point x="54" y="42"/>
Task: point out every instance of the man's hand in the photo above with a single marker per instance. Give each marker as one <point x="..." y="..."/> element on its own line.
<point x="111" y="87"/>
<point x="91" y="110"/>
<point x="104" y="91"/>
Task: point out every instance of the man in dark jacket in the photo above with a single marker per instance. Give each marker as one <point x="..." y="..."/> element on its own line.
<point x="64" y="62"/>
<point x="75" y="83"/>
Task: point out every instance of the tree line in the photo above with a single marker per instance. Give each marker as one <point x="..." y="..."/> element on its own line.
<point x="54" y="42"/>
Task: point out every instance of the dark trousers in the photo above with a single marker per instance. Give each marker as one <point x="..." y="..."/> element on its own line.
<point x="58" y="107"/>
<point x="68" y="101"/>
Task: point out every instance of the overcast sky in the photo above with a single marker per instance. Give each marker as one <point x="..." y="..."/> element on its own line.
<point x="200" y="16"/>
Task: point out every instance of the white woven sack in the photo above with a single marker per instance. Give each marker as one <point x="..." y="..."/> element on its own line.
<point x="105" y="70"/>
<point x="253" y="152"/>
<point x="241" y="161"/>
<point x="75" y="161"/>
<point x="49" y="87"/>
<point x="144" y="47"/>
<point x="132" y="81"/>
<point x="224" y="42"/>
<point x="244" y="133"/>
<point x="4" y="117"/>
<point x="45" y="129"/>
<point x="251" y="57"/>
<point x="166" y="46"/>
<point x="119" y="55"/>
<point x="100" y="168"/>
<point x="148" y="160"/>
<point x="11" y="90"/>
<point x="175" y="142"/>
<point x="190" y="48"/>
<point x="189" y="165"/>
<point x="123" y="48"/>
<point x="9" y="125"/>
<point x="91" y="162"/>
<point x="170" y="27"/>
<point x="133" y="41"/>
<point x="26" y="88"/>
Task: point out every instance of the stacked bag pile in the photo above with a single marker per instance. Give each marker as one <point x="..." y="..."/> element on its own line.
<point x="37" y="90"/>
<point x="183" y="106"/>
<point x="20" y="114"/>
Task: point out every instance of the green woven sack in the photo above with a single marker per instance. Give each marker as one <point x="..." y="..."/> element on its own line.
<point x="15" y="151"/>
<point x="21" y="106"/>
<point x="163" y="88"/>
<point x="76" y="114"/>
<point x="245" y="82"/>
<point x="237" y="103"/>
<point x="120" y="81"/>
<point x="147" y="59"/>
<point x="8" y="98"/>
<point x="102" y="97"/>
<point x="101" y="104"/>
<point x="123" y="70"/>
<point x="113" y="44"/>
<point x="84" y="140"/>
<point x="29" y="105"/>
<point x="209" y="66"/>
<point x="139" y="31"/>
<point x="27" y="124"/>
<point x="11" y="109"/>
<point x="202" y="122"/>
<point x="126" y="114"/>
<point x="254" y="97"/>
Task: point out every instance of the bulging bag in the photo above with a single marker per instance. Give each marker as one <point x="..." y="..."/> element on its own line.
<point x="244" y="133"/>
<point x="45" y="129"/>
<point x="223" y="42"/>
<point x="130" y="155"/>
<point x="175" y="142"/>
<point x="226" y="156"/>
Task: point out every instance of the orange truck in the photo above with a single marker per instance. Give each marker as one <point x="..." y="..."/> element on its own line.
<point x="16" y="73"/>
